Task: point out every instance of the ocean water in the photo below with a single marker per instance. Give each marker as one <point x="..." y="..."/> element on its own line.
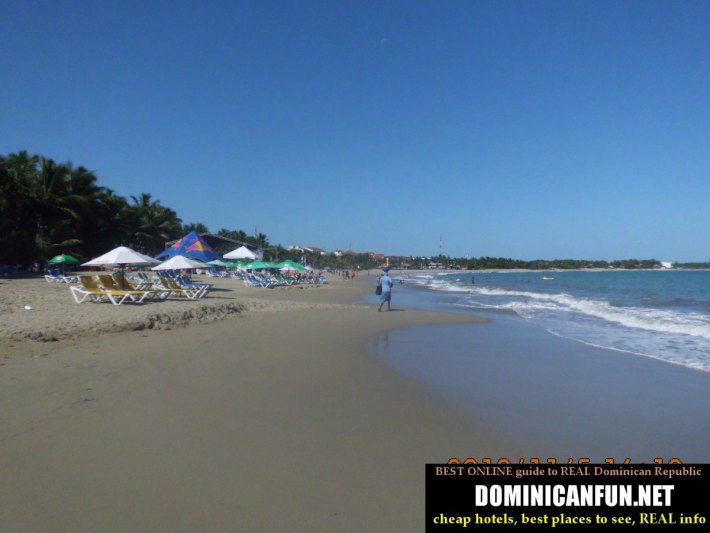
<point x="660" y="314"/>
<point x="588" y="364"/>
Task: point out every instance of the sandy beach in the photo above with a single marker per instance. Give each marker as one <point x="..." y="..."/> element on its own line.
<point x="263" y="413"/>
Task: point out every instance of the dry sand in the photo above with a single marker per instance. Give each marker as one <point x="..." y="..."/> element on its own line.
<point x="54" y="314"/>
<point x="273" y="419"/>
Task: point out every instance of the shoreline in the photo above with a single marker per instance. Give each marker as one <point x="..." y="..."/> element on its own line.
<point x="205" y="427"/>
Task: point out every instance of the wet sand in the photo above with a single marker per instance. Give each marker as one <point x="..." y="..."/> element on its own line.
<point x="555" y="397"/>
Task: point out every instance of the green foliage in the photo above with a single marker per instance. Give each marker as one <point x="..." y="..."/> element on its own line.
<point x="704" y="266"/>
<point x="260" y="240"/>
<point x="150" y="224"/>
<point x="345" y="262"/>
<point x="196" y="227"/>
<point x="502" y="263"/>
<point x="48" y="208"/>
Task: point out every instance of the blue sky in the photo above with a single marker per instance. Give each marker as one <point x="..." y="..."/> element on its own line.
<point x="519" y="129"/>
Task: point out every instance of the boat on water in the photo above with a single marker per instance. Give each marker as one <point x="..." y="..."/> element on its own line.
<point x="547" y="277"/>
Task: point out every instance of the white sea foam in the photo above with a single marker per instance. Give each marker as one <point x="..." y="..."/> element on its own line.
<point x="527" y="303"/>
<point x="633" y="317"/>
<point x="667" y="334"/>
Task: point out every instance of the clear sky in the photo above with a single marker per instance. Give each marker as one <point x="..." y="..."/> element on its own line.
<point x="525" y="129"/>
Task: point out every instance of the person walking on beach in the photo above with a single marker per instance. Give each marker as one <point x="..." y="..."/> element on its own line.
<point x="386" y="295"/>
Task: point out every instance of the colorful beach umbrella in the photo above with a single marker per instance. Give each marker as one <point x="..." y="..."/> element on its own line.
<point x="193" y="246"/>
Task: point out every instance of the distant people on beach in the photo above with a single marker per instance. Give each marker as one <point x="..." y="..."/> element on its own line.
<point x="386" y="295"/>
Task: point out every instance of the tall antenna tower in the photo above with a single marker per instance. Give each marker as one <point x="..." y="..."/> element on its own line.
<point x="441" y="246"/>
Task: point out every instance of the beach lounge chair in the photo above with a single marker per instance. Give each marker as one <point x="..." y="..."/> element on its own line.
<point x="187" y="283"/>
<point x="154" y="293"/>
<point x="283" y="280"/>
<point x="214" y="273"/>
<point x="174" y="282"/>
<point x="147" y="279"/>
<point x="169" y="284"/>
<point x="123" y="284"/>
<point x="110" y="284"/>
<point x="53" y="276"/>
<point x="257" y="280"/>
<point x="89" y="290"/>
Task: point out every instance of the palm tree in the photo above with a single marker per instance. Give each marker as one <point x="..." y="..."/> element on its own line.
<point x="44" y="202"/>
<point x="197" y="227"/>
<point x="236" y="235"/>
<point x="16" y="223"/>
<point x="112" y="227"/>
<point x="154" y="224"/>
<point x="63" y="199"/>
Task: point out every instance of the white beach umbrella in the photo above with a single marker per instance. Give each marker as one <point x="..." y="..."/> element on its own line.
<point x="122" y="256"/>
<point x="179" y="262"/>
<point x="288" y="268"/>
<point x="241" y="253"/>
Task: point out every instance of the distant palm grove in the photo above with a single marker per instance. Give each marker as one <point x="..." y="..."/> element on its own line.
<point x="48" y="208"/>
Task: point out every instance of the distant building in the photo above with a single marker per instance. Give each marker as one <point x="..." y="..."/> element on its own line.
<point x="315" y="250"/>
<point x="666" y="264"/>
<point x="312" y="249"/>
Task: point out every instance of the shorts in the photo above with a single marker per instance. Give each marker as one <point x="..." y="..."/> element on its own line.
<point x="386" y="296"/>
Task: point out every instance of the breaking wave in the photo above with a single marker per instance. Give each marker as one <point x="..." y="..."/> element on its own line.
<point x="680" y="336"/>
